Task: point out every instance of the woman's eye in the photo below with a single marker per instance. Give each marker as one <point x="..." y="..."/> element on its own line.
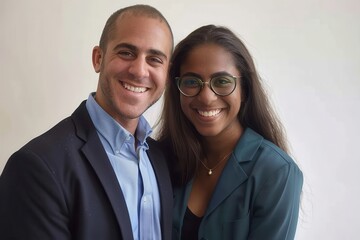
<point x="222" y="81"/>
<point x="190" y="83"/>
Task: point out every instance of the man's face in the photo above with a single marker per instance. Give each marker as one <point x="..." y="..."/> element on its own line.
<point x="133" y="69"/>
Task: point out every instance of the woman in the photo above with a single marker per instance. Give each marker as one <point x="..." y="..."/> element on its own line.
<point x="232" y="176"/>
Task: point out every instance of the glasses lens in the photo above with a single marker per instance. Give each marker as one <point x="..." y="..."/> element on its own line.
<point x="189" y="85"/>
<point x="223" y="85"/>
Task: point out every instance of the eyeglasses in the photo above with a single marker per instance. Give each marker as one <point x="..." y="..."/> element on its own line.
<point x="190" y="86"/>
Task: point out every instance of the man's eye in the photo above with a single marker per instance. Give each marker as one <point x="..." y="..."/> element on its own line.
<point x="156" y="60"/>
<point x="126" y="54"/>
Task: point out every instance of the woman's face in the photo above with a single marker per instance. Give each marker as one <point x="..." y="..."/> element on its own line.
<point x="212" y="115"/>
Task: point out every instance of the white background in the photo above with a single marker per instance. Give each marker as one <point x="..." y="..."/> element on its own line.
<point x="307" y="52"/>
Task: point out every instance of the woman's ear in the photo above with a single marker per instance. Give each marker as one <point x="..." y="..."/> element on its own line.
<point x="97" y="56"/>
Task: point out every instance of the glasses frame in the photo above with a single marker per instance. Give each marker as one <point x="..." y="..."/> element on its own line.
<point x="178" y="79"/>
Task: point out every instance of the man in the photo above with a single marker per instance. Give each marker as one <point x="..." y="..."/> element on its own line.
<point x="96" y="174"/>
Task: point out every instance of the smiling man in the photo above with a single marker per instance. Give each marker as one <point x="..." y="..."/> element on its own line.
<point x="97" y="174"/>
<point x="132" y="65"/>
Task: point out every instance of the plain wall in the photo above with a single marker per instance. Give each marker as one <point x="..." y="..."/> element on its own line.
<point x="307" y="53"/>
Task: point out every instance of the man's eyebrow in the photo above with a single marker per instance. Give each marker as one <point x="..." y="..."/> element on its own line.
<point x="136" y="49"/>
<point x="158" y="53"/>
<point x="126" y="45"/>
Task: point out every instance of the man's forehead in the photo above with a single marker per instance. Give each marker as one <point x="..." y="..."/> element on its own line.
<point x="127" y="27"/>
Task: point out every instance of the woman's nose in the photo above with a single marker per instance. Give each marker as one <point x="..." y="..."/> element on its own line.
<point x="206" y="94"/>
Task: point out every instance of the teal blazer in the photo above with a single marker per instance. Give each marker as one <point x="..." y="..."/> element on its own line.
<point x="257" y="196"/>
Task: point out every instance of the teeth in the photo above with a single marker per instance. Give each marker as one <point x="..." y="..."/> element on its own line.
<point x="209" y="113"/>
<point x="134" y="89"/>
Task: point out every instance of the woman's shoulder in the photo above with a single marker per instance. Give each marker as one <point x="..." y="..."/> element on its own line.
<point x="262" y="155"/>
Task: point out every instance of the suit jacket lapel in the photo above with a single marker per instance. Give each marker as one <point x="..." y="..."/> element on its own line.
<point x="163" y="179"/>
<point x="96" y="155"/>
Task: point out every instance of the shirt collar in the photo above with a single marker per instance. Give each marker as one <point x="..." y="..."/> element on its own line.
<point x="112" y="131"/>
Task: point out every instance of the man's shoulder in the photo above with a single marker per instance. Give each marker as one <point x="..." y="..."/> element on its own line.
<point x="60" y="134"/>
<point x="55" y="137"/>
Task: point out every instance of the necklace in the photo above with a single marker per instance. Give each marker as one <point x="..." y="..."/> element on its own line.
<point x="213" y="168"/>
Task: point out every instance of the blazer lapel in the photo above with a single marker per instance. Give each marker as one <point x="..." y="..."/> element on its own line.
<point x="230" y="179"/>
<point x="96" y="155"/>
<point x="234" y="174"/>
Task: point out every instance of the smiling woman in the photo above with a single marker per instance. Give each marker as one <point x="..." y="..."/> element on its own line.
<point x="231" y="174"/>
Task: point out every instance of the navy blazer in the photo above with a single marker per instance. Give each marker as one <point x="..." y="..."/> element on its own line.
<point x="61" y="185"/>
<point x="257" y="195"/>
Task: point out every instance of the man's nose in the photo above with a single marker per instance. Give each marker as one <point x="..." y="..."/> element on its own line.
<point x="139" y="67"/>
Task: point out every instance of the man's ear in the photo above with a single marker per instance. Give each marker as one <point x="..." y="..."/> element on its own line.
<point x="97" y="57"/>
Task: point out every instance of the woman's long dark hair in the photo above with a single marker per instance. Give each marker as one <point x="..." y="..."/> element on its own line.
<point x="178" y="133"/>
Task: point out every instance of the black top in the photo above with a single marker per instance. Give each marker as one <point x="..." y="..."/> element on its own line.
<point x="190" y="226"/>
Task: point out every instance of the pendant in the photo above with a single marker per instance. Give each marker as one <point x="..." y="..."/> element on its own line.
<point x="210" y="172"/>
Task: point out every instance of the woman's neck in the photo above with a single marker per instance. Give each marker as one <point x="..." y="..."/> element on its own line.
<point x="216" y="147"/>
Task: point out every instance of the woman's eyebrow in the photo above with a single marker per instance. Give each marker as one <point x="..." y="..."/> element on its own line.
<point x="191" y="74"/>
<point x="221" y="73"/>
<point x="216" y="74"/>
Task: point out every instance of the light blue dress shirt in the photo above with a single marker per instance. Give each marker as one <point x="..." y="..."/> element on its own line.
<point x="132" y="168"/>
